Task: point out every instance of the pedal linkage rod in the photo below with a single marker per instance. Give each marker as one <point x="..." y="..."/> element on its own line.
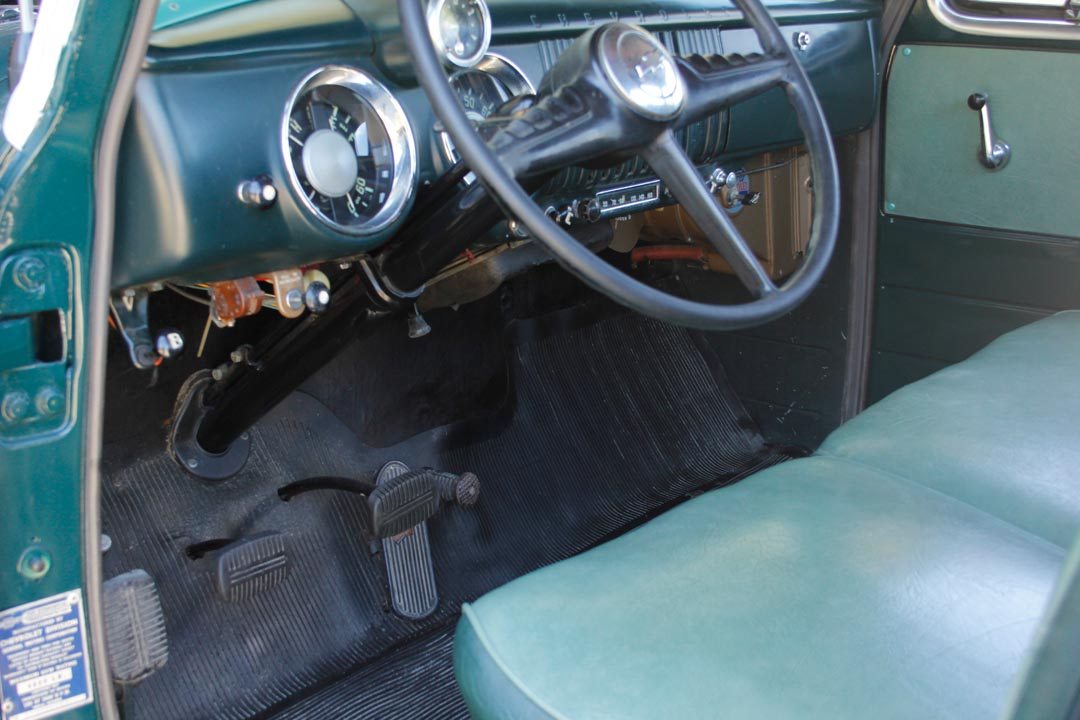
<point x="400" y="503"/>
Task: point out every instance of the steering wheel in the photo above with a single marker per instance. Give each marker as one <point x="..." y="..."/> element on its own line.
<point x="617" y="91"/>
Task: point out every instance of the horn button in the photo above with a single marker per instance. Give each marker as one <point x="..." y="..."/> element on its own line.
<point x="641" y="71"/>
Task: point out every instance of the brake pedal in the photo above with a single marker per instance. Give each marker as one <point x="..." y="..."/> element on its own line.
<point x="134" y="627"/>
<point x="409" y="568"/>
<point x="250" y="565"/>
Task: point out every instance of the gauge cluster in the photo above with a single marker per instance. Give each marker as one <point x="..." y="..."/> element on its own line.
<point x="349" y="150"/>
<point x="460" y="29"/>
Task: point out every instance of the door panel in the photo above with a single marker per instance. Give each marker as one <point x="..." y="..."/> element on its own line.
<point x="964" y="253"/>
<point x="932" y="141"/>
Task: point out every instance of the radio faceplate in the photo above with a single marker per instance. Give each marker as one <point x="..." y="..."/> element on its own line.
<point x="617" y="201"/>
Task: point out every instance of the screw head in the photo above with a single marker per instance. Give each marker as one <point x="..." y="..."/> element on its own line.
<point x="35" y="562"/>
<point x="907" y="52"/>
<point x="803" y="40"/>
<point x="49" y="401"/>
<point x="890" y="206"/>
<point x="192" y="463"/>
<point x="15" y="406"/>
<point x="294" y="299"/>
<point x="29" y="274"/>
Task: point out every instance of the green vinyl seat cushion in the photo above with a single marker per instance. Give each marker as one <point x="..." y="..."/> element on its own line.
<point x="899" y="573"/>
<point x="815" y="589"/>
<point x="1000" y="430"/>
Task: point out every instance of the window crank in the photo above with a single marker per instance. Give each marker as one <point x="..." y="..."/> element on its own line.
<point x="994" y="152"/>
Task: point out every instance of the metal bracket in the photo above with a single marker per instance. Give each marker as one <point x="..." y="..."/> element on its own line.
<point x="133" y="323"/>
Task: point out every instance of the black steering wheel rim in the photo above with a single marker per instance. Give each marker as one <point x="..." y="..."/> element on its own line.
<point x="596" y="272"/>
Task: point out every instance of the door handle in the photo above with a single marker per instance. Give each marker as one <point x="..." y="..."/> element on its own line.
<point x="994" y="152"/>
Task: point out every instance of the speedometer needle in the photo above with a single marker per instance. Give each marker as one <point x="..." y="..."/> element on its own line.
<point x="360" y="141"/>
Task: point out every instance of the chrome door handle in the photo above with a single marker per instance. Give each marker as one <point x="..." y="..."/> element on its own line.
<point x="994" y="152"/>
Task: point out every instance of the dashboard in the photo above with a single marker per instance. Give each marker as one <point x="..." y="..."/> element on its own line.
<point x="303" y="138"/>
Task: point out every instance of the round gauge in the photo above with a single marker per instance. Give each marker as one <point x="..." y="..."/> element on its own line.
<point x="460" y="29"/>
<point x="482" y="90"/>
<point x="349" y="149"/>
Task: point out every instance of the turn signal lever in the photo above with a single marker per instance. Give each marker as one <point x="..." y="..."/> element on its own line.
<point x="399" y="503"/>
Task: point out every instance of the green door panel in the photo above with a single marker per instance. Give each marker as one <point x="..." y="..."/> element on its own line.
<point x="945" y="291"/>
<point x="932" y="138"/>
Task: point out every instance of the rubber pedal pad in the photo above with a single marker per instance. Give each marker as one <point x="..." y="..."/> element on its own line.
<point x="250" y="565"/>
<point x="135" y="636"/>
<point x="409" y="569"/>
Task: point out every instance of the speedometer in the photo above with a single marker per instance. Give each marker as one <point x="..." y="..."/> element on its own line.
<point x="482" y="90"/>
<point x="460" y="29"/>
<point x="349" y="149"/>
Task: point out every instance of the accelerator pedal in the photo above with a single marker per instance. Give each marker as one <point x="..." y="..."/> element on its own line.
<point x="409" y="568"/>
<point x="401" y="501"/>
<point x="134" y="627"/>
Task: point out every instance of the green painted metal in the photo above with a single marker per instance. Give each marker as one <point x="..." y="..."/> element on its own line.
<point x="932" y="138"/>
<point x="175" y="215"/>
<point x="36" y="299"/>
<point x="177" y="12"/>
<point x="47" y="212"/>
<point x="515" y="20"/>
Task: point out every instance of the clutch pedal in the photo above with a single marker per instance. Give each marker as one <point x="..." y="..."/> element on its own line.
<point x="134" y="627"/>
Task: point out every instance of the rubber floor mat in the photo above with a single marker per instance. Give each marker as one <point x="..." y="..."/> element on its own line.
<point x="414" y="681"/>
<point x="606" y="422"/>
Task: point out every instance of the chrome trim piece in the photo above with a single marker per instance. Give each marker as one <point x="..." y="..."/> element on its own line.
<point x="434" y="9"/>
<point x="505" y="71"/>
<point x="998" y="26"/>
<point x="994" y="153"/>
<point x="648" y="185"/>
<point x="641" y="70"/>
<point x="398" y="130"/>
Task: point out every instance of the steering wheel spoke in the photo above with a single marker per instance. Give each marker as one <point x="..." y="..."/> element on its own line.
<point x="668" y="160"/>
<point x="715" y="82"/>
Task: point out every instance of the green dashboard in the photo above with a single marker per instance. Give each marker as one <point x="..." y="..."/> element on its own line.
<point x="212" y="109"/>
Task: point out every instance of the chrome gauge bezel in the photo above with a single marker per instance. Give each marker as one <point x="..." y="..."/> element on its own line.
<point x="434" y="10"/>
<point x="398" y="130"/>
<point x="505" y="71"/>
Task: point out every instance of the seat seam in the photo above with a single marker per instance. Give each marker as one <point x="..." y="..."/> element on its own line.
<point x="926" y="488"/>
<point x="477" y="627"/>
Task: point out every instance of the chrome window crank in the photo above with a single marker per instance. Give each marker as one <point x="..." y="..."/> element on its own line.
<point x="994" y="152"/>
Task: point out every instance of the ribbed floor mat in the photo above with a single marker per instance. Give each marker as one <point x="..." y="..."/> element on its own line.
<point x="415" y="681"/>
<point x="607" y="422"/>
